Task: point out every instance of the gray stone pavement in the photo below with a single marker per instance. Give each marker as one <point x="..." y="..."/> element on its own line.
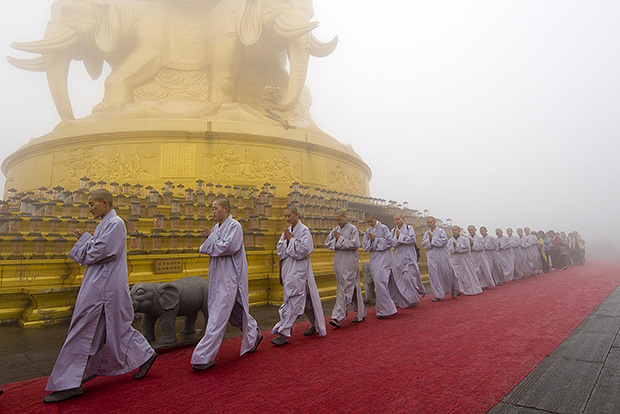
<point x="582" y="375"/>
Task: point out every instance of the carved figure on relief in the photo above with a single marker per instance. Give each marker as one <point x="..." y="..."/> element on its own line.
<point x="81" y="162"/>
<point x="343" y="181"/>
<point x="197" y="51"/>
<point x="226" y="164"/>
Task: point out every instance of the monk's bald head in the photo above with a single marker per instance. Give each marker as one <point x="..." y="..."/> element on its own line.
<point x="102" y="194"/>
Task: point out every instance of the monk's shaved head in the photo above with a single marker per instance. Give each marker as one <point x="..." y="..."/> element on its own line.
<point x="101" y="194"/>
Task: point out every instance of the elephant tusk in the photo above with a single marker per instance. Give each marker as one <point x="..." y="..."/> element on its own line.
<point x="322" y="49"/>
<point x="286" y="30"/>
<point x="34" y="65"/>
<point x="54" y="44"/>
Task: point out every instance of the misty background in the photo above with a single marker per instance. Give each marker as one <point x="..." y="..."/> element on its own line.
<point x="496" y="113"/>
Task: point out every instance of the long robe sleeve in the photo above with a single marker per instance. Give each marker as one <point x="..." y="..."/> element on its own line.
<point x="90" y="250"/>
<point x="478" y="245"/>
<point x="407" y="236"/>
<point x="298" y="248"/>
<point x="382" y="241"/>
<point x="346" y="241"/>
<point x="222" y="244"/>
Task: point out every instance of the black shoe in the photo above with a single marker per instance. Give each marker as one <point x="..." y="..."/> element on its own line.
<point x="279" y="340"/>
<point x="58" y="396"/>
<point x="435" y="300"/>
<point x="415" y="305"/>
<point x="144" y="369"/>
<point x="381" y="317"/>
<point x="1" y="392"/>
<point x="259" y="338"/>
<point x="336" y="324"/>
<point x="203" y="367"/>
<point x="358" y="320"/>
<point x="310" y="331"/>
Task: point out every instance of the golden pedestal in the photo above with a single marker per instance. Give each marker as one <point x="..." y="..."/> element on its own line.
<point x="154" y="151"/>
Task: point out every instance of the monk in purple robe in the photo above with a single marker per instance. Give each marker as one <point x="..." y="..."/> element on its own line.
<point x="515" y="243"/>
<point x="505" y="255"/>
<point x="405" y="266"/>
<point x="440" y="270"/>
<point x="228" y="299"/>
<point x="532" y="256"/>
<point x="483" y="270"/>
<point x="344" y="240"/>
<point x="100" y="340"/>
<point x="490" y="253"/>
<point x="378" y="241"/>
<point x="462" y="263"/>
<point x="301" y="294"/>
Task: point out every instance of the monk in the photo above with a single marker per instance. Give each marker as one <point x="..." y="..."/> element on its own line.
<point x="440" y="270"/>
<point x="490" y="253"/>
<point x="300" y="292"/>
<point x="378" y="241"/>
<point x="505" y="255"/>
<point x="100" y="340"/>
<point x="228" y="288"/>
<point x="405" y="266"/>
<point x="462" y="263"/>
<point x="515" y="243"/>
<point x="483" y="270"/>
<point x="405" y="254"/>
<point x="344" y="239"/>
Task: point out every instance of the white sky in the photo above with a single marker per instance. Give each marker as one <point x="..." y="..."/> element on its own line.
<point x="498" y="113"/>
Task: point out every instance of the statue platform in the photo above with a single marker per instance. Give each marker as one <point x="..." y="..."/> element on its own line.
<point x="153" y="151"/>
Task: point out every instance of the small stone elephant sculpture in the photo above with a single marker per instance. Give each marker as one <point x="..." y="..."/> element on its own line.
<point x="165" y="301"/>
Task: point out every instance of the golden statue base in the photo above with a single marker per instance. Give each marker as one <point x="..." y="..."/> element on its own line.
<point x="153" y="151"/>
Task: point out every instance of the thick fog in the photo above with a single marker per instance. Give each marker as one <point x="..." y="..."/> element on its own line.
<point x="496" y="113"/>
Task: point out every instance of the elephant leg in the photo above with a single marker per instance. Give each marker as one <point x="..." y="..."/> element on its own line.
<point x="189" y="330"/>
<point x="168" y="334"/>
<point x="139" y="68"/>
<point x="148" y="327"/>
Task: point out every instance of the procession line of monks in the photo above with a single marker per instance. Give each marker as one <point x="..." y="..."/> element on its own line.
<point x="101" y="340"/>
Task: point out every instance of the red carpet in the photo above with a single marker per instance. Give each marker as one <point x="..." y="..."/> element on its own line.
<point x="455" y="356"/>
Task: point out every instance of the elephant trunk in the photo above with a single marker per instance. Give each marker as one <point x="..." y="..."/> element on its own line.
<point x="299" y="56"/>
<point x="57" y="69"/>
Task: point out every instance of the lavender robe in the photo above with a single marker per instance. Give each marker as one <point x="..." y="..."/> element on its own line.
<point x="404" y="267"/>
<point x="381" y="266"/>
<point x="347" y="270"/>
<point x="103" y="312"/>
<point x="463" y="265"/>
<point x="405" y="246"/>
<point x="490" y="253"/>
<point x="530" y="252"/>
<point x="519" y="270"/>
<point x="440" y="270"/>
<point x="483" y="270"/>
<point x="506" y="257"/>
<point x="228" y="291"/>
<point x="300" y="292"/>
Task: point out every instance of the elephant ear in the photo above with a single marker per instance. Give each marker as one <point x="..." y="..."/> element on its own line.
<point x="168" y="296"/>
<point x="107" y="25"/>
<point x="249" y="25"/>
<point x="94" y="66"/>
